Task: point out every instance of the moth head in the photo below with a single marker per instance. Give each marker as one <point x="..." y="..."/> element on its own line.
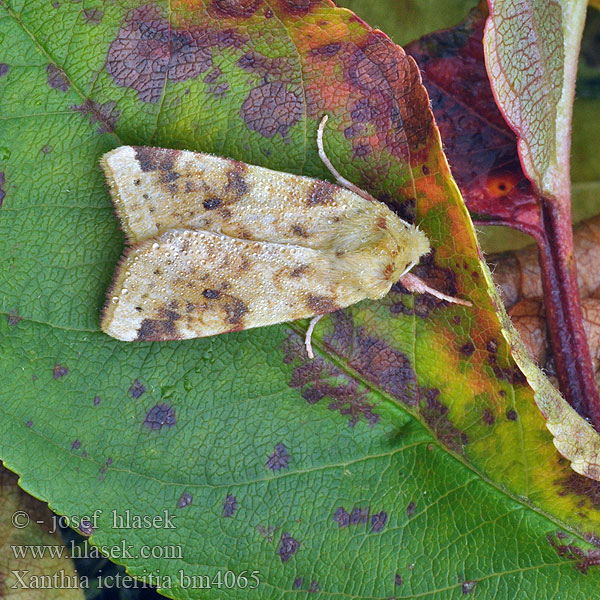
<point x="376" y="252"/>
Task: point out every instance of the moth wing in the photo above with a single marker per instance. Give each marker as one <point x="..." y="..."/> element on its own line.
<point x="157" y="189"/>
<point x="187" y="283"/>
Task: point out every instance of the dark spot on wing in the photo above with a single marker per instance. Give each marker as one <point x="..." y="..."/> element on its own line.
<point x="298" y="271"/>
<point x="159" y="416"/>
<point x="155" y="159"/>
<point x="136" y="389"/>
<point x="184" y="500"/>
<point x="59" y="371"/>
<point x="235" y="309"/>
<point x="169" y="176"/>
<point x="288" y="546"/>
<point x="57" y="78"/>
<point x="280" y="458"/>
<point x="321" y="194"/>
<point x="299" y="231"/>
<point x="229" y="506"/>
<point x="236" y="185"/>
<point x="212" y="203"/>
<point x="320" y="305"/>
<point x="271" y="108"/>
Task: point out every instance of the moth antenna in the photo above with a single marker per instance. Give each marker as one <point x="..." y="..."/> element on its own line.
<point x="308" y="336"/>
<point x="413" y="284"/>
<point x="341" y="180"/>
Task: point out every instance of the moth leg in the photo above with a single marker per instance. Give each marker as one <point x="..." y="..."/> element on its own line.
<point x="341" y="180"/>
<point x="309" y="332"/>
<point x="413" y="284"/>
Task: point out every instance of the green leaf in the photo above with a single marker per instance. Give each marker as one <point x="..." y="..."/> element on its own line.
<point x="409" y="458"/>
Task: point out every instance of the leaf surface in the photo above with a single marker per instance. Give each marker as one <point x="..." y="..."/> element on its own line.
<point x="408" y="458"/>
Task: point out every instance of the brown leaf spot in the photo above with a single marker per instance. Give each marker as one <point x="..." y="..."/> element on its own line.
<point x="106" y="114"/>
<point x="147" y="51"/>
<point x="271" y="108"/>
<point x="342" y="517"/>
<point x="288" y="546"/>
<point x="488" y="417"/>
<point x="13" y="318"/>
<point x="4" y="68"/>
<point x="184" y="500"/>
<point x="57" y="78"/>
<point x="159" y="416"/>
<point x="320" y="305"/>
<point x="299" y="7"/>
<point x="229" y="506"/>
<point x="234" y="8"/>
<point x="59" y="371"/>
<point x="321" y="194"/>
<point x="136" y="389"/>
<point x="378" y="521"/>
<point x="280" y="458"/>
<point x="93" y="16"/>
<point x="467" y="349"/>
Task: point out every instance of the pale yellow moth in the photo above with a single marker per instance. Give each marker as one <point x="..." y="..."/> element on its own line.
<point x="218" y="245"/>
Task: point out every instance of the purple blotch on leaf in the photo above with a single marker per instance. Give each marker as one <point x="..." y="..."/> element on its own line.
<point x="342" y="517"/>
<point x="57" y="78"/>
<point x="229" y="505"/>
<point x="397" y="579"/>
<point x="2" y="192"/>
<point x="410" y="509"/>
<point x="59" y="371"/>
<point x="468" y="586"/>
<point x="76" y="445"/>
<point x="184" y="500"/>
<point x="29" y="423"/>
<point x="297" y="583"/>
<point x="288" y="546"/>
<point x="359" y="515"/>
<point x="160" y="415"/>
<point x="13" y="318"/>
<point x="97" y="400"/>
<point x="136" y="389"/>
<point x="279" y="459"/>
<point x="378" y="521"/>
<point x="4" y="68"/>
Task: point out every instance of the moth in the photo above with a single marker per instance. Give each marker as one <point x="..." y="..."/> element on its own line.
<point x="217" y="245"/>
